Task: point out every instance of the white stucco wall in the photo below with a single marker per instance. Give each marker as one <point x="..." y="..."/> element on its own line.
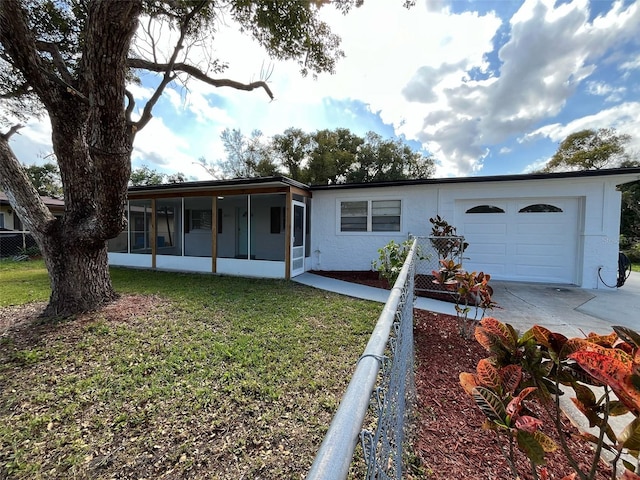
<point x="598" y="219"/>
<point x="335" y="250"/>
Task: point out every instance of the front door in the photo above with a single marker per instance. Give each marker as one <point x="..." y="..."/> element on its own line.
<point x="298" y="227"/>
<point x="242" y="233"/>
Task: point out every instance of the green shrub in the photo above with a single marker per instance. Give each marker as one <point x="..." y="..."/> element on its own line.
<point x="391" y="259"/>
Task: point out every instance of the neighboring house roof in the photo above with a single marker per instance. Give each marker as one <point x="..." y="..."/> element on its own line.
<point x="52" y="203"/>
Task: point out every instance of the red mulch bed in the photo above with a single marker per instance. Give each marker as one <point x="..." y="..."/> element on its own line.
<point x="373" y="279"/>
<point x="449" y="442"/>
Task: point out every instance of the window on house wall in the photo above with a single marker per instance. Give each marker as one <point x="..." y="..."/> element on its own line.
<point x="485" y="209"/>
<point x="1" y="219"/>
<point x="198" y="223"/>
<point x="370" y="216"/>
<point x="385" y="215"/>
<point x="277" y="219"/>
<point x="353" y="216"/>
<point x="540" y="208"/>
<point x="200" y="220"/>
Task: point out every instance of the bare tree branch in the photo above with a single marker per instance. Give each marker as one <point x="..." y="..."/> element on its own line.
<point x="58" y="61"/>
<point x="198" y="74"/>
<point x="169" y="75"/>
<point x="20" y="47"/>
<point x="12" y="130"/>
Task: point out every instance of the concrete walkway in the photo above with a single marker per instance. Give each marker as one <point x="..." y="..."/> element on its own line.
<point x="368" y="293"/>
<point x="570" y="310"/>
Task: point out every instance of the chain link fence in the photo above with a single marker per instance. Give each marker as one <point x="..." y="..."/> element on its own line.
<point x="17" y="243"/>
<point x="432" y="250"/>
<point x="381" y="391"/>
<point x="383" y="448"/>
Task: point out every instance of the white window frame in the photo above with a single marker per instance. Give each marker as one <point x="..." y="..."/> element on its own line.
<point x="369" y="230"/>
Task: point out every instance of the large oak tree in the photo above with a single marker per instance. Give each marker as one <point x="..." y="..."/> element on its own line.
<point x="73" y="59"/>
<point x="590" y="150"/>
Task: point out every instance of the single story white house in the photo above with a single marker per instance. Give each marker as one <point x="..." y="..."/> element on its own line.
<point x="557" y="227"/>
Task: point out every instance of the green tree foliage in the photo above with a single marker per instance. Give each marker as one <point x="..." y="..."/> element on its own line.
<point x="247" y="157"/>
<point x="178" y="177"/>
<point x="339" y="156"/>
<point x="383" y="160"/>
<point x="590" y="150"/>
<point x="145" y="176"/>
<point x="73" y="60"/>
<point x="293" y="148"/>
<point x="333" y="154"/>
<point x="597" y="149"/>
<point x="45" y="178"/>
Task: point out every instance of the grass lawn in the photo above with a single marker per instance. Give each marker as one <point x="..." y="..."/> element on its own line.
<point x="188" y="376"/>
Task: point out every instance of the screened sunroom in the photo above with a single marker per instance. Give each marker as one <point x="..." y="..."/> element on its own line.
<point x="250" y="227"/>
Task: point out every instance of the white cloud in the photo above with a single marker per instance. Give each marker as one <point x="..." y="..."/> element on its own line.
<point x="551" y="50"/>
<point x="611" y="94"/>
<point x="625" y="118"/>
<point x="437" y="77"/>
<point x="160" y="148"/>
<point x="140" y="92"/>
<point x="536" y="166"/>
<point x="633" y="64"/>
<point x="32" y="144"/>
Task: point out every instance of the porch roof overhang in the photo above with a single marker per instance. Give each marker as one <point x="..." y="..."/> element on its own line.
<point x="235" y="185"/>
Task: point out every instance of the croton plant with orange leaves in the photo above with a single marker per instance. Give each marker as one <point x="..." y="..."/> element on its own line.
<point x="539" y="366"/>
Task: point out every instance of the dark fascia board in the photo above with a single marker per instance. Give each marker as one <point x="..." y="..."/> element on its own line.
<point x="220" y="184"/>
<point x="489" y="178"/>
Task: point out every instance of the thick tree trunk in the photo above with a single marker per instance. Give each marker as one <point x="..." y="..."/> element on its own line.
<point x="92" y="139"/>
<point x="79" y="276"/>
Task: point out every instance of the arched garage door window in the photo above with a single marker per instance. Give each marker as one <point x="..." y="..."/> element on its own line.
<point x="540" y="208"/>
<point x="485" y="209"/>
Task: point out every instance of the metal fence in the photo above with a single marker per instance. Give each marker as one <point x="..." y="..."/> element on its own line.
<point x="431" y="250"/>
<point x="14" y="243"/>
<point x="384" y="380"/>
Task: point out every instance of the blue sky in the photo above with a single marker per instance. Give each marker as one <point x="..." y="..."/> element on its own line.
<point x="484" y="87"/>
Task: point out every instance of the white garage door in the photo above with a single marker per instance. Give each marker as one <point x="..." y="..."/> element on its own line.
<point x="521" y="239"/>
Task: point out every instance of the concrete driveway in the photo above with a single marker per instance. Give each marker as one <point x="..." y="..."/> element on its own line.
<point x="572" y="311"/>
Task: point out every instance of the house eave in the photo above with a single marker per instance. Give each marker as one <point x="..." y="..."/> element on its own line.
<point x="626" y="175"/>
